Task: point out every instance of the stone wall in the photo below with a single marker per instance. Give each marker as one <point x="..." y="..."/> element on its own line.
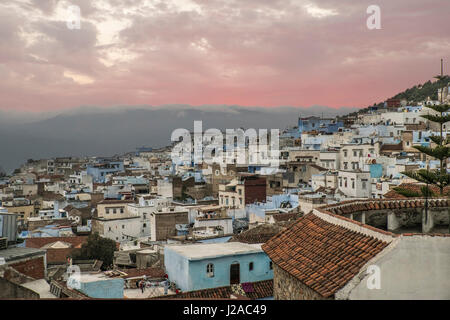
<point x="286" y="287"/>
<point x="165" y="224"/>
<point x="33" y="267"/>
<point x="10" y="290"/>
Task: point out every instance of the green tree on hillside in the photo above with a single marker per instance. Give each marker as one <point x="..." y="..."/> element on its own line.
<point x="439" y="149"/>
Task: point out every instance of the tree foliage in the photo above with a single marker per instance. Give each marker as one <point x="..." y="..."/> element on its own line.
<point x="439" y="149"/>
<point x="98" y="248"/>
<point x="420" y="93"/>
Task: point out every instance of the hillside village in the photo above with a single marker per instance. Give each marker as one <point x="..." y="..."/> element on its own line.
<point x="309" y="228"/>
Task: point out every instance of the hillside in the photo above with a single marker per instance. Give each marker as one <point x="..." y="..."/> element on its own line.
<point x="423" y="91"/>
<point x="414" y="95"/>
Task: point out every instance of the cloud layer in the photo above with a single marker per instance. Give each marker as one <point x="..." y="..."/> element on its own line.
<point x="253" y="52"/>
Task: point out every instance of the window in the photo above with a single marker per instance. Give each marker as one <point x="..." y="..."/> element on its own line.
<point x="270" y="265"/>
<point x="121" y="210"/>
<point x="123" y="226"/>
<point x="345" y="165"/>
<point x="114" y="211"/>
<point x="250" y="266"/>
<point x="107" y="210"/>
<point x="144" y="225"/>
<point x="210" y="270"/>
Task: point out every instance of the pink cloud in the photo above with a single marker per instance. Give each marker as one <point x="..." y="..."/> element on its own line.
<point x="266" y="53"/>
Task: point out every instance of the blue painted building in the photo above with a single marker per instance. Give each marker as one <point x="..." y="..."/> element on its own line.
<point x="98" y="286"/>
<point x="100" y="170"/>
<point x="212" y="265"/>
<point x="292" y="133"/>
<point x="286" y="201"/>
<point x="319" y="124"/>
<point x="415" y="109"/>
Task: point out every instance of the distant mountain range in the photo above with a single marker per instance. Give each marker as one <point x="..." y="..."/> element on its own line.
<point x="92" y="131"/>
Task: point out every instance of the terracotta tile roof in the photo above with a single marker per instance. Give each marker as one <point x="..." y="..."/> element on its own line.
<point x="322" y="255"/>
<point x="149" y="272"/>
<point x="253" y="290"/>
<point x="259" y="234"/>
<point x="414" y="187"/>
<point x="111" y="201"/>
<point x="284" y="217"/>
<point x="426" y="234"/>
<point x="40" y="242"/>
<point x="391" y="147"/>
<point x="353" y="206"/>
<point x="51" y="196"/>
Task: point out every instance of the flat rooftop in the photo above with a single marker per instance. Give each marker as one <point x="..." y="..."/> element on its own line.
<point x="41" y="287"/>
<point x="214" y="250"/>
<point x="16" y="253"/>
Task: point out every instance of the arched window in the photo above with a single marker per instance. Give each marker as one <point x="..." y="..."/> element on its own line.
<point x="210" y="270"/>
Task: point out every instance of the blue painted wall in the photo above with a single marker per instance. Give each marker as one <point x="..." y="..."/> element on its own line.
<point x="103" y="289"/>
<point x="99" y="173"/>
<point x="319" y="124"/>
<point x="191" y="275"/>
<point x="376" y="170"/>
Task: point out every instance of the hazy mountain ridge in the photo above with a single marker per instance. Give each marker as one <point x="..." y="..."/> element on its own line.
<point x="97" y="131"/>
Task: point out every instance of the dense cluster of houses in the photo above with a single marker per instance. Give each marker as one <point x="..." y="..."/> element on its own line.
<point x="311" y="228"/>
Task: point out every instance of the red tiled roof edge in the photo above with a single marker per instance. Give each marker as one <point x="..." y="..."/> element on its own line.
<point x="262" y="289"/>
<point x="354" y="225"/>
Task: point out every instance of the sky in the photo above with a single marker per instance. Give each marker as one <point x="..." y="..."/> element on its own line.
<point x="203" y="52"/>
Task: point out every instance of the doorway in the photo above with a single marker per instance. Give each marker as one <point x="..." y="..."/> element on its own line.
<point x="235" y="274"/>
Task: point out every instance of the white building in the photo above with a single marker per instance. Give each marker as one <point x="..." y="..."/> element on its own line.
<point x="355" y="184"/>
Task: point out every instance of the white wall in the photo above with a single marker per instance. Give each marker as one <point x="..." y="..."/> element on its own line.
<point x="418" y="267"/>
<point x="132" y="227"/>
<point x="226" y="224"/>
